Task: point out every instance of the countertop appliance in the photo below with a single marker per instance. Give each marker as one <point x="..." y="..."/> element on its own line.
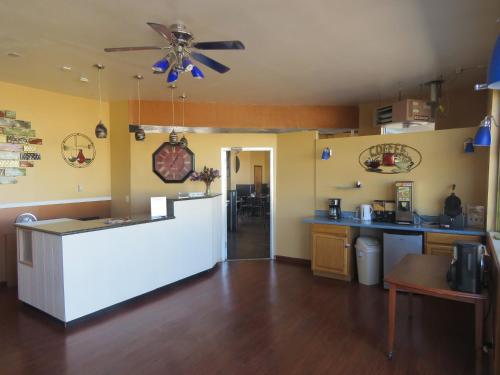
<point x="467" y="267"/>
<point x="365" y="212"/>
<point x="404" y="201"/>
<point x="397" y="245"/>
<point x="334" y="209"/>
<point x="453" y="216"/>
<point x="384" y="211"/>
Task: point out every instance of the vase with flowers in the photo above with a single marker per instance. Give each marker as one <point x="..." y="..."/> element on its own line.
<point x="207" y="175"/>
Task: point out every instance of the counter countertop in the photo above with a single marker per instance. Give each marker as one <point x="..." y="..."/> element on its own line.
<point x="182" y="198"/>
<point x="63" y="227"/>
<point x="352" y="222"/>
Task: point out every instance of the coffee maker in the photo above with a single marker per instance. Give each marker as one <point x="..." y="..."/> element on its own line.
<point x="467" y="267"/>
<point x="334" y="211"/>
<point x="404" y="202"/>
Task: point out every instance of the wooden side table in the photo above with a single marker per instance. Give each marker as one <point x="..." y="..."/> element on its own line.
<point x="426" y="275"/>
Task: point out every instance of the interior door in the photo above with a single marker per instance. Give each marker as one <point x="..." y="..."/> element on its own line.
<point x="257" y="178"/>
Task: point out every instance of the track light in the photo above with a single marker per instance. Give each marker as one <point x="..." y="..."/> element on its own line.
<point x="197" y="73"/>
<point x="160" y="66"/>
<point x="172" y="76"/>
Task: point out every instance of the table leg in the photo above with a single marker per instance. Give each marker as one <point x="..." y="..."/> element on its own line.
<point x="410" y="305"/>
<point x="392" y="320"/>
<point x="479" y="315"/>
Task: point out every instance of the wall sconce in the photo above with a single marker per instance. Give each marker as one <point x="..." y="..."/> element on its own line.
<point x="327" y="153"/>
<point x="468" y="145"/>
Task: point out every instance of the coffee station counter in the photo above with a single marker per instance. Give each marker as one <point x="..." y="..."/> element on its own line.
<point x="349" y="220"/>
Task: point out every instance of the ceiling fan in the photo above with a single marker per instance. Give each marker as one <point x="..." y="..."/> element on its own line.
<point x="179" y="51"/>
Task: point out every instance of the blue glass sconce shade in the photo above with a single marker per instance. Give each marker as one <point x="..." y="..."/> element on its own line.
<point x="197" y="73"/>
<point x="326" y="154"/>
<point x="494" y="67"/>
<point x="172" y="76"/>
<point x="160" y="66"/>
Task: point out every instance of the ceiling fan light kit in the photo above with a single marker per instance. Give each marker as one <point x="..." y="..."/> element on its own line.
<point x="179" y="55"/>
<point x="160" y="66"/>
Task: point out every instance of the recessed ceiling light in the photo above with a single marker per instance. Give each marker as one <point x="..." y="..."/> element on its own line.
<point x="66" y="68"/>
<point x="84" y="79"/>
<point x="13" y="54"/>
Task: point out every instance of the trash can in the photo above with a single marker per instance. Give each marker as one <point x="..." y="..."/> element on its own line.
<point x="368" y="253"/>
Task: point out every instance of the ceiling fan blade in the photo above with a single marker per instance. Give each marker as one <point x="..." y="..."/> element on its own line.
<point x="228" y="44"/>
<point x="163" y="31"/>
<point x="211" y="63"/>
<point x="124" y="49"/>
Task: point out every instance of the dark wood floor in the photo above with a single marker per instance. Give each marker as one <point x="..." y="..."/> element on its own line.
<point x="251" y="240"/>
<point x="254" y="317"/>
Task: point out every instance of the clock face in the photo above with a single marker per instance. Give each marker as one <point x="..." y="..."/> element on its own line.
<point x="173" y="163"/>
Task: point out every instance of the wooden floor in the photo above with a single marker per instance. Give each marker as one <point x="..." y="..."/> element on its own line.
<point x="251" y="317"/>
<point x="251" y="240"/>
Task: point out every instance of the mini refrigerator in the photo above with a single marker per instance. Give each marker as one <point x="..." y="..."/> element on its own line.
<point x="397" y="245"/>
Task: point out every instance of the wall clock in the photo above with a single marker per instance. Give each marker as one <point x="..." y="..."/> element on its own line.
<point x="78" y="150"/>
<point x="173" y="163"/>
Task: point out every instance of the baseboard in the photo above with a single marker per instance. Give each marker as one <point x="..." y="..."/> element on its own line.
<point x="299" y="261"/>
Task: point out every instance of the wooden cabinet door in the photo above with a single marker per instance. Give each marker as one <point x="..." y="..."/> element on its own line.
<point x="329" y="254"/>
<point x="434" y="249"/>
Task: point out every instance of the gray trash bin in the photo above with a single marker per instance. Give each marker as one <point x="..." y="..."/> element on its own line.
<point x="368" y="252"/>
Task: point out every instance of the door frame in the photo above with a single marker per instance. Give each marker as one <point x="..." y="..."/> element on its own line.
<point x="272" y="193"/>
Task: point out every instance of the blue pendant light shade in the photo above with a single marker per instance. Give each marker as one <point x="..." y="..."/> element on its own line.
<point x="187" y="64"/>
<point x="197" y="73"/>
<point x="160" y="66"/>
<point x="172" y="76"/>
<point x="494" y="68"/>
<point x="483" y="134"/>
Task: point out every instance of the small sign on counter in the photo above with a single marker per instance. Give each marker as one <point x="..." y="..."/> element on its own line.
<point x="158" y="206"/>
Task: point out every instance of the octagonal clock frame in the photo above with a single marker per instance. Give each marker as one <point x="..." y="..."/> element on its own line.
<point x="175" y="148"/>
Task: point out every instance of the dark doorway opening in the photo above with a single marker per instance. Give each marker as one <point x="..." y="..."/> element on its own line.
<point x="249" y="186"/>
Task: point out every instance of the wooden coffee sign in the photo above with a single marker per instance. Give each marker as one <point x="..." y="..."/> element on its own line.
<point x="390" y="158"/>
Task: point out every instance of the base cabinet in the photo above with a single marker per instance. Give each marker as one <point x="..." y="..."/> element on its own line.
<point x="332" y="251"/>
<point x="442" y="243"/>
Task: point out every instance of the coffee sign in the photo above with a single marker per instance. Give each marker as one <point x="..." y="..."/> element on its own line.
<point x="390" y="158"/>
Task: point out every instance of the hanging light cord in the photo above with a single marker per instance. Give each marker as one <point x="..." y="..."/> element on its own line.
<point x="99" y="89"/>
<point x="173" y="109"/>
<point x="139" y="98"/>
<point x="183" y="101"/>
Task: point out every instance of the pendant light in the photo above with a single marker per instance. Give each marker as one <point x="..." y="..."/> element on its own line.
<point x="493" y="70"/>
<point x="483" y="134"/>
<point x="100" y="129"/>
<point x="140" y="135"/>
<point x="173" y="135"/>
<point x="183" y="142"/>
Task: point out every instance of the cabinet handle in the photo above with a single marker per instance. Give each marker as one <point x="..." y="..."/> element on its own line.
<point x="347" y="245"/>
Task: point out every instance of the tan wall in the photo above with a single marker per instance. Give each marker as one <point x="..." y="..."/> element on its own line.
<point x="295" y="193"/>
<point x="207" y="150"/>
<point x="220" y="115"/>
<point x="54" y="116"/>
<point x="443" y="163"/>
<point x="463" y="108"/>
<point x="249" y="159"/>
<point x="120" y="158"/>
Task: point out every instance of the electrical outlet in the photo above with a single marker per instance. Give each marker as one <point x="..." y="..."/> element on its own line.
<point x="127" y="199"/>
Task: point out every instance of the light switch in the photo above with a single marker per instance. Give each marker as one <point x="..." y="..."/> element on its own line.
<point x="79" y="188"/>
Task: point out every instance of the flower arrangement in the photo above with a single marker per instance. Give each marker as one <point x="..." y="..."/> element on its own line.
<point x="207" y="175"/>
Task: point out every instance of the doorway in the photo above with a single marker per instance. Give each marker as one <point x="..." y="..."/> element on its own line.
<point x="247" y="185"/>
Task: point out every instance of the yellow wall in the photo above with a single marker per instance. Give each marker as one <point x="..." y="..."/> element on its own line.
<point x="54" y="116"/>
<point x="295" y="193"/>
<point x="120" y="158"/>
<point x="248" y="159"/>
<point x="207" y="150"/>
<point x="493" y="183"/>
<point x="443" y="163"/>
